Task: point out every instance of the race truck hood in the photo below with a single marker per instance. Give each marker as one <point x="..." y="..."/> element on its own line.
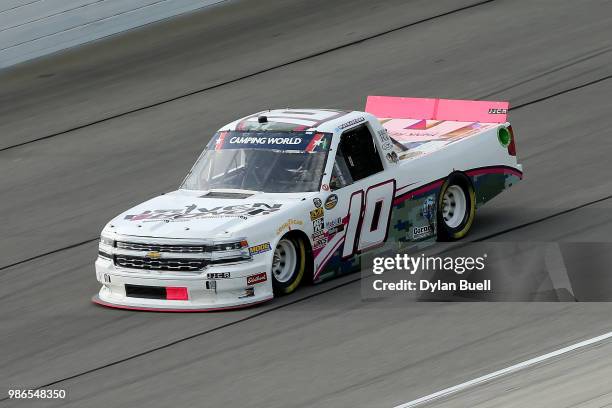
<point x="199" y="214"/>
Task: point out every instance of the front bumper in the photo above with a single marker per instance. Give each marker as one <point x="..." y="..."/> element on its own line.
<point x="203" y="294"/>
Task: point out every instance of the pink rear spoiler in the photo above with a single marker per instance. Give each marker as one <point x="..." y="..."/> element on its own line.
<point x="437" y="109"/>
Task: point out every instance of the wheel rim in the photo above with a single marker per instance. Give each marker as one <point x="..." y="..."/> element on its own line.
<point x="454" y="205"/>
<point x="284" y="261"/>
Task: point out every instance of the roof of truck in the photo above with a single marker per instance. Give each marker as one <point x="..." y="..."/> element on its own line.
<point x="320" y="120"/>
<point x="417" y="126"/>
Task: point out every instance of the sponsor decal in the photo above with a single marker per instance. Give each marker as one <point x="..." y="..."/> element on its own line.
<point x="384" y="136"/>
<point x="259" y="249"/>
<point x="325" y="187"/>
<point x="331" y="201"/>
<point x="351" y="123"/>
<point x="247" y="140"/>
<point x="248" y="292"/>
<point x="194" y="212"/>
<point x="335" y="230"/>
<point x="218" y="275"/>
<point x="318" y="226"/>
<point x="428" y="208"/>
<point x="316" y="214"/>
<point x="153" y="255"/>
<point x="211" y="285"/>
<point x="319" y="242"/>
<point x="318" y="142"/>
<point x="288" y="225"/>
<point x="493" y="111"/>
<point x="420" y="232"/>
<point x="257" y="278"/>
<point x="220" y="140"/>
<point x="333" y="223"/>
<point x="385" y="140"/>
<point x="317" y="202"/>
<point x="304" y="141"/>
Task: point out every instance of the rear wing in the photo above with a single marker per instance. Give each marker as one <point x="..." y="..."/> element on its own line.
<point x="393" y="107"/>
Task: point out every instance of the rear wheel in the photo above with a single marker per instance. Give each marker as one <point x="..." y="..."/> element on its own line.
<point x="288" y="265"/>
<point x="456" y="208"/>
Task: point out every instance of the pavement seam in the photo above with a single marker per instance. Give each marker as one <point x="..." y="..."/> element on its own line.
<point x="195" y="335"/>
<point x="585" y="57"/>
<point x="575" y="88"/>
<point x="35" y="257"/>
<point x="280" y="306"/>
<point x="544" y="98"/>
<point x="447" y="392"/>
<point x="548" y="217"/>
<point x="247" y="76"/>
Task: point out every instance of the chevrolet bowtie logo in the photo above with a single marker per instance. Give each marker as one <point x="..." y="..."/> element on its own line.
<point x="153" y="255"/>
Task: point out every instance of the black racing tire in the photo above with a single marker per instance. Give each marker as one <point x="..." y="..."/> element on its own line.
<point x="288" y="273"/>
<point x="456" y="208"/>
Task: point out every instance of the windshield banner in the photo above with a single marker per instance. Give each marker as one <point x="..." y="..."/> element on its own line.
<point x="302" y="141"/>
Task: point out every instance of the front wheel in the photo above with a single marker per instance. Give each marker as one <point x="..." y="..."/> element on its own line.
<point x="288" y="265"/>
<point x="456" y="208"/>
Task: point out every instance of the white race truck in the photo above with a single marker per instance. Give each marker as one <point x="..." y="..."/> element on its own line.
<point x="288" y="196"/>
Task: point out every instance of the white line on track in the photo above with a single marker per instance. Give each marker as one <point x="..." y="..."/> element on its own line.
<point x="508" y="370"/>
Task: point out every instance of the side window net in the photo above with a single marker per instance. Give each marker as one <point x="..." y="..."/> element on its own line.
<point x="340" y="177"/>
<point x="359" y="153"/>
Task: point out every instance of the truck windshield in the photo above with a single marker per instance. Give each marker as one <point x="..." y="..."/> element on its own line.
<point x="272" y="162"/>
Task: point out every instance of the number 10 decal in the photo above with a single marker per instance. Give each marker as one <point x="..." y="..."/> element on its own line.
<point x="368" y="219"/>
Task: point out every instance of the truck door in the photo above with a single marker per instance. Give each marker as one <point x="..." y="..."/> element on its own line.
<point x="359" y="204"/>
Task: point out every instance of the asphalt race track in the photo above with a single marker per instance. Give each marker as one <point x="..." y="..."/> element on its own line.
<point x="87" y="133"/>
